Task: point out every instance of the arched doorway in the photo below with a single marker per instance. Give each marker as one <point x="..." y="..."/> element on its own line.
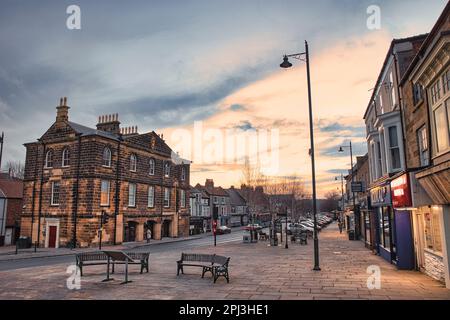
<point x="130" y="231"/>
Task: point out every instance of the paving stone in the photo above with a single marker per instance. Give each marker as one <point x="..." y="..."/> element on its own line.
<point x="256" y="272"/>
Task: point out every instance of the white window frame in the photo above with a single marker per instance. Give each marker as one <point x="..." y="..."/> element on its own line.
<point x="442" y="101"/>
<point x="183" y="174"/>
<point x="166" y="197"/>
<point x="391" y="147"/>
<point x="66" y="157"/>
<point x="133" y="162"/>
<point x="106" y="157"/>
<point x="167" y="169"/>
<point x="183" y="198"/>
<point x="132" y="189"/>
<point x="52" y="201"/>
<point x="422" y="145"/>
<point x="48" y="155"/>
<point x="151" y="197"/>
<point x="151" y="170"/>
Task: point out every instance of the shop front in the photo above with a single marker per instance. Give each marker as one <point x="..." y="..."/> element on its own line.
<point x="385" y="239"/>
<point x="432" y="222"/>
<point x="402" y="209"/>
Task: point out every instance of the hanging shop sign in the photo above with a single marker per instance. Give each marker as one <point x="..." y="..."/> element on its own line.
<point x="401" y="192"/>
<point x="380" y="196"/>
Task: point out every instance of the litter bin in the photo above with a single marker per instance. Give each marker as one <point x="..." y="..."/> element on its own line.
<point x="24" y="243"/>
<point x="246" y="238"/>
<point x="274" y="241"/>
<point x="351" y="235"/>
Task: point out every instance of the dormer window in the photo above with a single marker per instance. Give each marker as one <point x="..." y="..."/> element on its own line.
<point x="66" y="157"/>
<point x="167" y="169"/>
<point x="133" y="163"/>
<point x="49" y="159"/>
<point x="151" y="170"/>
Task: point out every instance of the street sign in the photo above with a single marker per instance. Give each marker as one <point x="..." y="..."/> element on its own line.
<point x="357" y="186"/>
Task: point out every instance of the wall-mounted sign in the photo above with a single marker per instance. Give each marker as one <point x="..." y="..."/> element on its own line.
<point x="401" y="192"/>
<point x="357" y="186"/>
<point x="380" y="196"/>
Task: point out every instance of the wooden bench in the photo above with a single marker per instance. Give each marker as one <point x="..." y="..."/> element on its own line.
<point x="100" y="258"/>
<point x="217" y="265"/>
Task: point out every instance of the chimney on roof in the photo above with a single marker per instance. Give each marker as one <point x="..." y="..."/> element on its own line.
<point x="109" y="123"/>
<point x="129" y="131"/>
<point x="62" y="111"/>
<point x="209" y="183"/>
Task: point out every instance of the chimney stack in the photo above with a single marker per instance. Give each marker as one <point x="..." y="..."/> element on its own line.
<point x="129" y="131"/>
<point x="62" y="111"/>
<point x="109" y="123"/>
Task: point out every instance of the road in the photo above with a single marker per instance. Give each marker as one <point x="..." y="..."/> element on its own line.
<point x="235" y="235"/>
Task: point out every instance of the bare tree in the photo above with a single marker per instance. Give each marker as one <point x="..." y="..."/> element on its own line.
<point x="16" y="169"/>
<point x="331" y="201"/>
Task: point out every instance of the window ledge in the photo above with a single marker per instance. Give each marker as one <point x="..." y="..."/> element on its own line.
<point x="109" y="167"/>
<point x="418" y="105"/>
<point x="434" y="253"/>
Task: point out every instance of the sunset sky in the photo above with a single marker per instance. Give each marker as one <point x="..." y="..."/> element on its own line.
<point x="165" y="65"/>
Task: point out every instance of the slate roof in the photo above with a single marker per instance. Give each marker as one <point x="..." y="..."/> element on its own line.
<point x="11" y="188"/>
<point x="235" y="198"/>
<point x="86" y="131"/>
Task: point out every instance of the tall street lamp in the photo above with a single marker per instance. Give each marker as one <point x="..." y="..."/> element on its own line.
<point x="342" y="193"/>
<point x="356" y="215"/>
<point x="304" y="56"/>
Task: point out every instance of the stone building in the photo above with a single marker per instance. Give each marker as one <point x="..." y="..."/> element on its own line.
<point x="200" y="211"/>
<point x="73" y="173"/>
<point x="217" y="198"/>
<point x="386" y="151"/>
<point x="424" y="187"/>
<point x="238" y="206"/>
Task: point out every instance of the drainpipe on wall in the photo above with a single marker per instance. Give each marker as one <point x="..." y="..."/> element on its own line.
<point x="75" y="211"/>
<point x="40" y="193"/>
<point x="33" y="198"/>
<point x="116" y="200"/>
<point x="400" y="102"/>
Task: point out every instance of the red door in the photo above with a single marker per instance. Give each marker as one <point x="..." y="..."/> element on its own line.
<point x="52" y="237"/>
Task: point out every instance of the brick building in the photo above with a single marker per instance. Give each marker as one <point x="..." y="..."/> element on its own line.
<point x="11" y="189"/>
<point x="73" y="173"/>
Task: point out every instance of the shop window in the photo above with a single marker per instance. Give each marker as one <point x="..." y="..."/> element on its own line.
<point x="433" y="231"/>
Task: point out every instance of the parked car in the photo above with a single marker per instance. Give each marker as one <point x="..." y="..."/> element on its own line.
<point x="254" y="226"/>
<point x="223" y="230"/>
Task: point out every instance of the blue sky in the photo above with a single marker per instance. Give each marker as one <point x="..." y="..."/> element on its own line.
<point x="164" y="64"/>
